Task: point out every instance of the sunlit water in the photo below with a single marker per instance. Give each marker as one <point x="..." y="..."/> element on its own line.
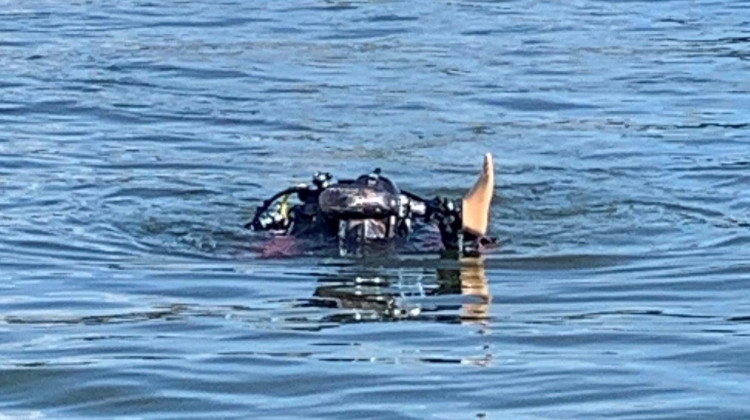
<point x="137" y="138"/>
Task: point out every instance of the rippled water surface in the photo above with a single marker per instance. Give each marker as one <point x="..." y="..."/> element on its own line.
<point x="137" y="137"/>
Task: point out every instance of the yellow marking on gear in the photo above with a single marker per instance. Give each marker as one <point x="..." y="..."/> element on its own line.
<point x="284" y="209"/>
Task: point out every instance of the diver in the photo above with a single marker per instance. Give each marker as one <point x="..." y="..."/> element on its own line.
<point x="371" y="210"/>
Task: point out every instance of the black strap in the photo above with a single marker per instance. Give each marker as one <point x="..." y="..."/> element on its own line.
<point x="255" y="222"/>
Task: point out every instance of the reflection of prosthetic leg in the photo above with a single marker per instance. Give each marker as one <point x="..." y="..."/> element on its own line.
<point x="470" y="281"/>
<point x="476" y="309"/>
<point x="474" y="284"/>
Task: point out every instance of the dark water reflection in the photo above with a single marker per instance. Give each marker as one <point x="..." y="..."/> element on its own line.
<point x="137" y="138"/>
<point x="372" y="297"/>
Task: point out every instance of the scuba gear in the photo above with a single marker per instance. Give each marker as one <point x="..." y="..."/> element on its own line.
<point x="365" y="210"/>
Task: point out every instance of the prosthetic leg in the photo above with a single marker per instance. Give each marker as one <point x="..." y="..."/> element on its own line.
<point x="475" y="207"/>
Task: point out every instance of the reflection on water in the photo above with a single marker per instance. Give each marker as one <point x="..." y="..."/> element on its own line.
<point x="449" y="292"/>
<point x="417" y="295"/>
<point x="374" y="297"/>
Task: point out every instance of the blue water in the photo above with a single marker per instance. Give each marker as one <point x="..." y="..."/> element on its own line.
<point x="137" y="137"/>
